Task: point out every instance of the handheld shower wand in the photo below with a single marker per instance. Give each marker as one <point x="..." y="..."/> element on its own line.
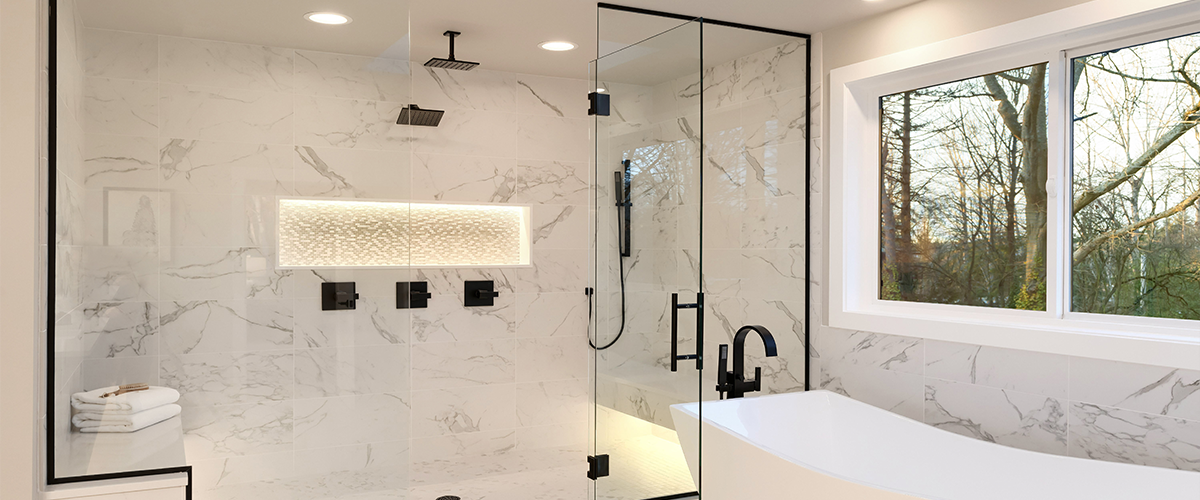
<point x="622" y="185"/>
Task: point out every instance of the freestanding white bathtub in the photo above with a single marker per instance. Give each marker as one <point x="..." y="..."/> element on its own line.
<point x="821" y="445"/>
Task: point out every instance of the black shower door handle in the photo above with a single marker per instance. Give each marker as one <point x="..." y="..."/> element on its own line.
<point x="675" y="307"/>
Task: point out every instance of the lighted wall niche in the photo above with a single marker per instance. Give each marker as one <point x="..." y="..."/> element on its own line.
<point x="345" y="233"/>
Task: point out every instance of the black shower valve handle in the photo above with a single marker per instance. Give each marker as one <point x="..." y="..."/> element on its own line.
<point x="483" y="294"/>
<point x="348" y="302"/>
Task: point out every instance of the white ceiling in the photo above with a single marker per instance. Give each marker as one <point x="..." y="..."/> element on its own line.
<point x="502" y="35"/>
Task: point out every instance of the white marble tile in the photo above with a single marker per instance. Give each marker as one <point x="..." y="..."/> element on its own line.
<point x="232" y="115"/>
<point x="630" y="108"/>
<point x="113" y="161"/>
<point x="771" y="223"/>
<point x="552" y="138"/>
<point x="1116" y="435"/>
<point x="345" y="420"/>
<point x="444" y="365"/>
<point x="352" y="77"/>
<point x="203" y="219"/>
<point x="553" y="271"/>
<point x="232" y="430"/>
<point x="376" y="288"/>
<point x="1144" y="388"/>
<point x="343" y="371"/>
<point x="447" y="320"/>
<point x="775" y="170"/>
<point x="548" y="96"/>
<point x="772" y="71"/>
<point x="547" y="484"/>
<point x="469" y="132"/>
<point x="225" y="168"/>
<point x="379" y="457"/>
<point x="574" y="434"/>
<point x="447" y="461"/>
<point x="479" y="89"/>
<point x="463" y="410"/>
<point x="110" y="330"/>
<point x="227" y="65"/>
<point x="374" y="321"/>
<point x="651" y="406"/>
<point x="377" y="470"/>
<point x="204" y="273"/>
<point x="774" y="274"/>
<point x="351" y="173"/>
<point x="120" y="54"/>
<point x="228" y="378"/>
<point x="118" y="274"/>
<point x="547" y="403"/>
<point x="1021" y="420"/>
<point x="552" y="182"/>
<point x="772" y="120"/>
<point x="898" y="392"/>
<point x="1025" y="371"/>
<point x="121" y="107"/>
<point x="227" y="326"/>
<point x="878" y="350"/>
<point x="562" y="314"/>
<point x="463" y="178"/>
<point x="239" y="477"/>
<point x="349" y="123"/>
<point x="551" y="358"/>
<point x="560" y="227"/>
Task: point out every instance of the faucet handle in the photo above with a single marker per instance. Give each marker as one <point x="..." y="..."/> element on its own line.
<point x="722" y="372"/>
<point x="757" y="378"/>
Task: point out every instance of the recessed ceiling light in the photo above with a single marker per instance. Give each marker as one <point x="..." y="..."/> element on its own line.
<point x="327" y="18"/>
<point x="557" y="46"/>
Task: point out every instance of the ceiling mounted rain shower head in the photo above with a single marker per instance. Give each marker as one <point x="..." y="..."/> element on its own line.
<point x="451" y="62"/>
<point x="412" y="115"/>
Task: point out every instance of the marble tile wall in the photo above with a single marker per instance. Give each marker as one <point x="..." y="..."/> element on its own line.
<point x="1065" y="405"/>
<point x="74" y="345"/>
<point x="185" y="146"/>
<point x="753" y="246"/>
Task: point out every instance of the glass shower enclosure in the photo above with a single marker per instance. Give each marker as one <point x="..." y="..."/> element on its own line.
<point x="699" y="227"/>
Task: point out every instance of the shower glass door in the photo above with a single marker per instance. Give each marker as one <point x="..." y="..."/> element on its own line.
<point x="646" y="255"/>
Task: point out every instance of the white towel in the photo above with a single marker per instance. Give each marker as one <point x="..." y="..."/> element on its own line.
<point x="124" y="404"/>
<point x="100" y="422"/>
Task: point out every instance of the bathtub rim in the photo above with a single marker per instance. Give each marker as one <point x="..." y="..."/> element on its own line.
<point x="686" y="408"/>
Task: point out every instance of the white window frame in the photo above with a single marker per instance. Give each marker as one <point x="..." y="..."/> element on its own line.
<point x="853" y="294"/>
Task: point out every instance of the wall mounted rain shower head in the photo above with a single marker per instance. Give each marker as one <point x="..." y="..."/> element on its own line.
<point x="451" y="62"/>
<point x="412" y="115"/>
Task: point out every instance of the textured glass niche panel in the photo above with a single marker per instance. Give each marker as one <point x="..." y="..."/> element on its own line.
<point x="340" y="233"/>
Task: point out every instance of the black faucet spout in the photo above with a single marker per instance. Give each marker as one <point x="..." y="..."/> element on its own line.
<point x="734" y="383"/>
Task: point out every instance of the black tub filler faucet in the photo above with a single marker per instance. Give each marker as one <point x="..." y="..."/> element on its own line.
<point x="733" y="384"/>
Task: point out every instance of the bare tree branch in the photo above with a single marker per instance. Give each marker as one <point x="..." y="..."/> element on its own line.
<point x="1003" y="105"/>
<point x="1087" y="248"/>
<point x="1168" y="137"/>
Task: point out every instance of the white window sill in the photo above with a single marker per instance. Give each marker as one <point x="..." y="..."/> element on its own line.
<point x="1157" y="344"/>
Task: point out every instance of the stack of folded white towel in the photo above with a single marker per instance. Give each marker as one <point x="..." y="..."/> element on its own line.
<point x="126" y="412"/>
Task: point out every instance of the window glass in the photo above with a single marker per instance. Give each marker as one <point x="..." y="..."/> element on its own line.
<point x="963" y="198"/>
<point x="1136" y="171"/>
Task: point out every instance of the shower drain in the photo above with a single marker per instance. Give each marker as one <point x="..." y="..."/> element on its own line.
<point x="449" y="497"/>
